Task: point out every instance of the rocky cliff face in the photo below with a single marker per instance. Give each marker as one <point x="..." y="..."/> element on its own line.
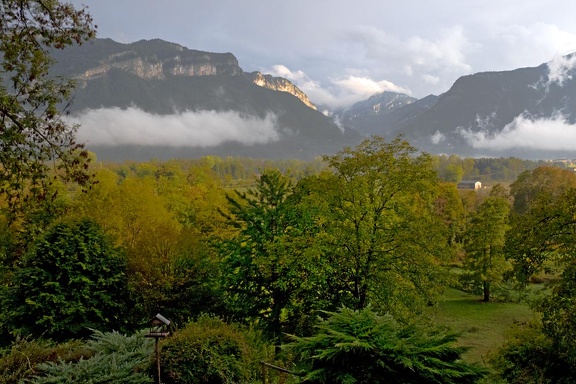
<point x="175" y="60"/>
<point x="279" y="84"/>
<point x="158" y="59"/>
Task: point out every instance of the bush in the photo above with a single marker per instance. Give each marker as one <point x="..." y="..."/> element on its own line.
<point x="529" y="356"/>
<point x="363" y="347"/>
<point x="115" y="359"/>
<point x="22" y="358"/>
<point x="211" y="351"/>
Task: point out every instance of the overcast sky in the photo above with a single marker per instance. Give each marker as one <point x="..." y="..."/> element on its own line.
<point x="342" y="51"/>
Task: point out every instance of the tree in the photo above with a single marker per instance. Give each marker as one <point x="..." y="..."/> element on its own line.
<point x="72" y="280"/>
<point x="364" y="347"/>
<point x="484" y="243"/>
<point x="270" y="266"/>
<point x="33" y="135"/>
<point x="161" y="222"/>
<point x="384" y="240"/>
<point x="544" y="182"/>
<point x="542" y="236"/>
<point x="450" y="208"/>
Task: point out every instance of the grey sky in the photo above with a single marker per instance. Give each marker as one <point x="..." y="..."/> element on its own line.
<point x="340" y="52"/>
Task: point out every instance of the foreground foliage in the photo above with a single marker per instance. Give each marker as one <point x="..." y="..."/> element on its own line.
<point x="20" y="361"/>
<point x="114" y="359"/>
<point x="72" y="280"/>
<point x="33" y="134"/>
<point x="363" y="347"/>
<point x="529" y="356"/>
<point x="211" y="351"/>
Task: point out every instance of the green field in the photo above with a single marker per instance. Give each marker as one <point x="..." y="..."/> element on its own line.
<point x="483" y="326"/>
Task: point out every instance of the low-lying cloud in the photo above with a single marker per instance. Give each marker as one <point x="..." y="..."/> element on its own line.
<point x="525" y="132"/>
<point x="133" y="126"/>
<point x="561" y="68"/>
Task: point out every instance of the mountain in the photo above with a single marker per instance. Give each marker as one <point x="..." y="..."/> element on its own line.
<point x="372" y="115"/>
<point x="526" y="112"/>
<point x="158" y="99"/>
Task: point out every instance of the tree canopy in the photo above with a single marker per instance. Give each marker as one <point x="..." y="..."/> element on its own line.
<point x="484" y="243"/>
<point x="271" y="266"/>
<point x="384" y="239"/>
<point x="34" y="137"/>
<point x="72" y="280"/>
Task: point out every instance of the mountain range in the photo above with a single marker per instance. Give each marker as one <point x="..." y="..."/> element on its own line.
<point x="158" y="99"/>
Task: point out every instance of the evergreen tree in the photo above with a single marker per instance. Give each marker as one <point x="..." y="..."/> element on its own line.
<point x="270" y="265"/>
<point x="364" y="347"/>
<point x="72" y="280"/>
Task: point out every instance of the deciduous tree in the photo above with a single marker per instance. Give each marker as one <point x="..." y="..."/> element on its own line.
<point x="544" y="182"/>
<point x="484" y="243"/>
<point x="384" y="239"/>
<point x="545" y="233"/>
<point x="33" y="135"/>
<point x="542" y="236"/>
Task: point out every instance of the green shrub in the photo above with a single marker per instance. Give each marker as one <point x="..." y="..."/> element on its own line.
<point x="22" y="358"/>
<point x="363" y="347"/>
<point x="211" y="351"/>
<point x="115" y="359"/>
<point x="529" y="356"/>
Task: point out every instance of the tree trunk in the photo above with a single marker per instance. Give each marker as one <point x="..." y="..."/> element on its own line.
<point x="486" y="285"/>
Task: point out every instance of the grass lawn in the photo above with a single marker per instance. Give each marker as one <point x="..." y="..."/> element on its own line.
<point x="483" y="326"/>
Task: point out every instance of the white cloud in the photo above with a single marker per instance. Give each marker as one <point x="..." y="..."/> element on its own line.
<point x="524" y="132"/>
<point x="365" y="86"/>
<point x="339" y="92"/>
<point x="430" y="79"/>
<point x="437" y="137"/>
<point x="115" y="126"/>
<point x="447" y="49"/>
<point x="560" y="69"/>
<point x="283" y="71"/>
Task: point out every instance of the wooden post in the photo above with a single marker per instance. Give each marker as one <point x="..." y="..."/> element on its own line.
<point x="157" y="360"/>
<point x="263" y="372"/>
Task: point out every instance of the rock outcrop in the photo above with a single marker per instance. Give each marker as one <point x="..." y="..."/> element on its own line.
<point x="158" y="59"/>
<point x="279" y="84"/>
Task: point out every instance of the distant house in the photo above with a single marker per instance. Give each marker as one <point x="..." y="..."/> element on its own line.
<point x="469" y="184"/>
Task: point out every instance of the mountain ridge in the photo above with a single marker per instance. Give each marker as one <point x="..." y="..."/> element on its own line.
<point x="492" y="113"/>
<point x="152" y="78"/>
<point x="520" y="112"/>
